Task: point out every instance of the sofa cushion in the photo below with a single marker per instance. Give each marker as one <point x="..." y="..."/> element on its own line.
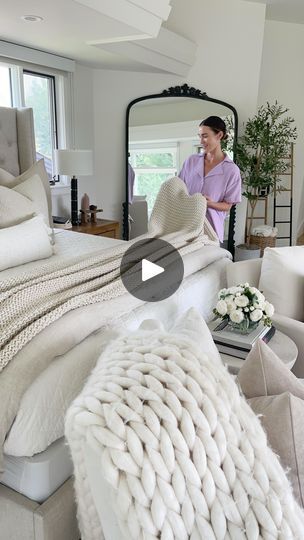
<point x="282" y="280"/>
<point x="282" y="419"/>
<point x="264" y="374"/>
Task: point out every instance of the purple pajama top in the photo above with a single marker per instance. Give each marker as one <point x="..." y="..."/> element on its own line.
<point x="222" y="183"/>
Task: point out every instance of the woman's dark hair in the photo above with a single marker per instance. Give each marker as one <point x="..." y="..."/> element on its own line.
<point x="216" y="124"/>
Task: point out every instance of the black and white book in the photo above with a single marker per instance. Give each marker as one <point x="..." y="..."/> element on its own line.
<point x="224" y="335"/>
<point x="242" y="352"/>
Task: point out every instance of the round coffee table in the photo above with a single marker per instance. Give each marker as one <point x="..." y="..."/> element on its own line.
<point x="280" y="344"/>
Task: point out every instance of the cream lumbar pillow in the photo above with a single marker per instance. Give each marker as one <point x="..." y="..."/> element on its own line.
<point x="282" y="419"/>
<point x="282" y="280"/>
<point x="23" y="243"/>
<point x="34" y="190"/>
<point x="264" y="374"/>
<point x="14" y="207"/>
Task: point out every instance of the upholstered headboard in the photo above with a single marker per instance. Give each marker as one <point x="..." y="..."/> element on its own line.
<point x="17" y="141"/>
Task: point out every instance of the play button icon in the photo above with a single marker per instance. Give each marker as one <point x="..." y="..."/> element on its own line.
<point x="152" y="269"/>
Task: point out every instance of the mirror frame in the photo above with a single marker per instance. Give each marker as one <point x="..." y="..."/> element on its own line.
<point x="178" y="91"/>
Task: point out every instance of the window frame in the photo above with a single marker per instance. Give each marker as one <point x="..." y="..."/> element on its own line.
<point x="61" y="101"/>
<point x="53" y="108"/>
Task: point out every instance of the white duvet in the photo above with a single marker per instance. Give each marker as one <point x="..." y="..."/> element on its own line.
<point x="39" y="417"/>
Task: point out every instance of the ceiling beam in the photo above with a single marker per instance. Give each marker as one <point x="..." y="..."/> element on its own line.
<point x="143" y="18"/>
<point x="169" y="52"/>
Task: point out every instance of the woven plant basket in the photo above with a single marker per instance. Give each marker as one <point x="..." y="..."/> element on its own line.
<point x="262" y="241"/>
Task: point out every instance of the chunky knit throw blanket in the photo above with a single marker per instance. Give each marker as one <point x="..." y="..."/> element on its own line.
<point x="31" y="302"/>
<point x="181" y="452"/>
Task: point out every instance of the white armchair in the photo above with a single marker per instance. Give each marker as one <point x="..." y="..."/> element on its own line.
<point x="250" y="271"/>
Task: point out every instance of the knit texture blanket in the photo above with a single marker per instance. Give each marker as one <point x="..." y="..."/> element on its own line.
<point x="182" y="454"/>
<point x="32" y="301"/>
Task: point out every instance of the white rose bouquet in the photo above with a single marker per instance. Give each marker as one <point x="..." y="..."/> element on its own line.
<point x="244" y="307"/>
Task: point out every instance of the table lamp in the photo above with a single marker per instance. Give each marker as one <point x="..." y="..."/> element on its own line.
<point x="72" y="163"/>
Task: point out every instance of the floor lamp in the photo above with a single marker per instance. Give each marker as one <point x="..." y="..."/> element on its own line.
<point x="72" y="163"/>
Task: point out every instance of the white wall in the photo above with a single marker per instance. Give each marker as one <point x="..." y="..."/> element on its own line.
<point x="229" y="37"/>
<point x="282" y="79"/>
<point x="83" y="137"/>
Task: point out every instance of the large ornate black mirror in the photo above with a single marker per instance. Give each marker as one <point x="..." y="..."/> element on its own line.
<point x="161" y="132"/>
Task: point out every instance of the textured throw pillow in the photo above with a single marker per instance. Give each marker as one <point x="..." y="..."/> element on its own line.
<point x="282" y="280"/>
<point x="264" y="374"/>
<point x="282" y="418"/>
<point x="39" y="169"/>
<point x="14" y="207"/>
<point x="23" y="243"/>
<point x="33" y="189"/>
<point x="6" y="178"/>
<point x="180" y="454"/>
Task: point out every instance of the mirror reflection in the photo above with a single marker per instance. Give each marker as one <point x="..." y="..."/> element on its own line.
<point x="162" y="133"/>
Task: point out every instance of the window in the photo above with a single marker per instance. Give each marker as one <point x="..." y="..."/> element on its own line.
<point x="152" y="165"/>
<point x="20" y="87"/>
<point x="39" y="93"/>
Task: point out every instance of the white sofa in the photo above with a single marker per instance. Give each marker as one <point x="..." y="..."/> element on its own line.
<point x="281" y="269"/>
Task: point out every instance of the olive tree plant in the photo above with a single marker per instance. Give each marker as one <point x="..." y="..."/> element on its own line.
<point x="261" y="153"/>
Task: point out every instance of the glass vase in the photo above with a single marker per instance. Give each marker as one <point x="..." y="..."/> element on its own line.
<point x="244" y="327"/>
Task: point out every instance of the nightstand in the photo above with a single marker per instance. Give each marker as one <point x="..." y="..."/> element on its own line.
<point x="102" y="227"/>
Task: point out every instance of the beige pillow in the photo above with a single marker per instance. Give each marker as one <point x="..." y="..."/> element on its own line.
<point x="33" y="189"/>
<point x="23" y="243"/>
<point x="39" y="169"/>
<point x="14" y="207"/>
<point x="264" y="374"/>
<point x="5" y="177"/>
<point x="282" y="280"/>
<point x="282" y="419"/>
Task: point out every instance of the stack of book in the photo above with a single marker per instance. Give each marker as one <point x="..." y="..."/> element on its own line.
<point x="230" y="342"/>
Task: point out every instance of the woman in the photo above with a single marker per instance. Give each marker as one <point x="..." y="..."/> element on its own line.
<point x="213" y="174"/>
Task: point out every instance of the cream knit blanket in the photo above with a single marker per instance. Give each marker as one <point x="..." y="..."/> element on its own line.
<point x="31" y="302"/>
<point x="181" y="454"/>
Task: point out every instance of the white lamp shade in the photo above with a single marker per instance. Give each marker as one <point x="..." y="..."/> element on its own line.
<point x="74" y="162"/>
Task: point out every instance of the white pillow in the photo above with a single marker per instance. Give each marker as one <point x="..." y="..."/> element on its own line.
<point x="14" y="207"/>
<point x="40" y="418"/>
<point x="23" y="243"/>
<point x="5" y="177"/>
<point x="37" y="168"/>
<point x="34" y="190"/>
<point x="282" y="280"/>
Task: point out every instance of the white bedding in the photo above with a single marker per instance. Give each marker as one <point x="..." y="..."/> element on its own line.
<point x="39" y="421"/>
<point x="39" y="476"/>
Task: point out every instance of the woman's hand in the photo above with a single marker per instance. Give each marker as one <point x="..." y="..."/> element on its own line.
<point x="221" y="206"/>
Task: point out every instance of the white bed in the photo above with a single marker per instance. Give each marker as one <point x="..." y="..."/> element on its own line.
<point x="33" y="421"/>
